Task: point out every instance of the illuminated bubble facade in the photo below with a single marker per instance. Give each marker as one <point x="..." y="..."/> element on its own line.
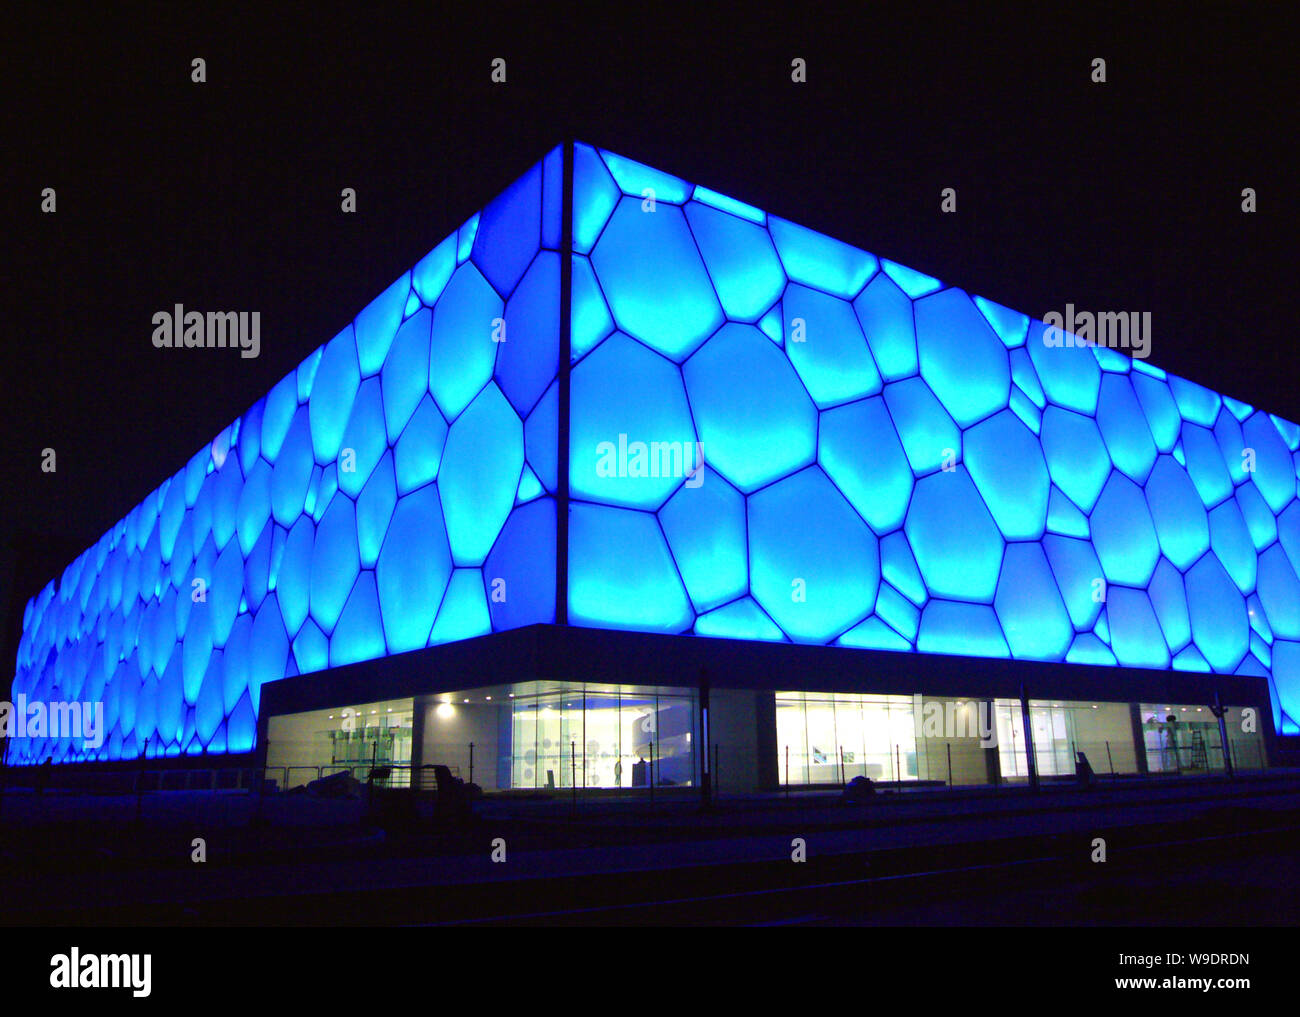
<point x="395" y="491"/>
<point x="895" y="464"/>
<point x="772" y="436"/>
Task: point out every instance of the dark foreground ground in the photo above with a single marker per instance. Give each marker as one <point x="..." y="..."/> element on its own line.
<point x="1176" y="853"/>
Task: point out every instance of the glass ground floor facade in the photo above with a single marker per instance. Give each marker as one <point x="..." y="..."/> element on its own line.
<point x="529" y="735"/>
<point x="829" y="738"/>
<point x="551" y="736"/>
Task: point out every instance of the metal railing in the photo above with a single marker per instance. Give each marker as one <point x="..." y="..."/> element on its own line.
<point x="962" y="763"/>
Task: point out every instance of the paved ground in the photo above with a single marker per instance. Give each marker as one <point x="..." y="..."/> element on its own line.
<point x="1196" y="851"/>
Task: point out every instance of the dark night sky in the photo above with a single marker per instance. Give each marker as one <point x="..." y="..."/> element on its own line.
<point x="1120" y="196"/>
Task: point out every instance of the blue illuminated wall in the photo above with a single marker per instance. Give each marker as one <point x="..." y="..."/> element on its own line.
<point x="395" y="491"/>
<point x="829" y="390"/>
<point x="829" y="387"/>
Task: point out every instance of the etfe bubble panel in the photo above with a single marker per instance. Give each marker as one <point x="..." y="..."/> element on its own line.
<point x="396" y="491"/>
<point x="1094" y="510"/>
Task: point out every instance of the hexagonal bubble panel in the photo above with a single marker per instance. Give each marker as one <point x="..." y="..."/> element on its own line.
<point x="1274" y="473"/>
<point x="1259" y="520"/>
<point x="1006" y="462"/>
<point x="636" y="449"/>
<point x="431" y="273"/>
<point x="637" y="179"/>
<point x="826" y="347"/>
<point x="417" y="456"/>
<point x="413" y="570"/>
<point x="860" y="451"/>
<point x="962" y="359"/>
<point x="930" y="438"/>
<point x="509" y="232"/>
<point x="814" y="564"/>
<point x="1180" y="520"/>
<point x="754" y="417"/>
<point x="610" y="589"/>
<point x="359" y="633"/>
<point x="1205" y="463"/>
<point x="1070" y="374"/>
<point x="590" y="320"/>
<point x="968" y="630"/>
<point x="654" y="280"/>
<point x="1279" y="592"/>
<point x="1123" y="533"/>
<point x="335" y="561"/>
<point x="1029" y="606"/>
<point x="1169" y="598"/>
<point x="311" y="649"/>
<point x="480" y="470"/>
<point x="913" y="283"/>
<point x="529" y="356"/>
<point x="740" y="259"/>
<point x="1195" y="402"/>
<point x="956" y="542"/>
<point x="268" y="649"/>
<point x="885" y="313"/>
<point x="463" y="352"/>
<point x="594" y="196"/>
<point x="741" y="619"/>
<point x="1064" y="518"/>
<point x="464" y="611"/>
<point x="1220" y="627"/>
<point x="1286" y="685"/>
<point x="898" y="612"/>
<point x="540" y="437"/>
<point x="520" y="571"/>
<point x="1135" y="633"/>
<point x="706" y="531"/>
<point x="817" y="260"/>
<point x="1124" y="428"/>
<point x="1011" y="326"/>
<point x="1078" y="578"/>
<point x="1160" y="409"/>
<point x="376" y="326"/>
<point x="1025" y="379"/>
<point x="1288" y="532"/>
<point x="364" y="442"/>
<point x="405" y="376"/>
<point x="898" y="568"/>
<point x="1022" y="406"/>
<point x="292" y="473"/>
<point x="374" y="510"/>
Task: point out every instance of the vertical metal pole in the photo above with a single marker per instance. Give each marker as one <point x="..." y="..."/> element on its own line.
<point x="1109" y="758"/>
<point x="652" y="771"/>
<point x="1218" y="710"/>
<point x="948" y="746"/>
<point x="787" y="771"/>
<point x="898" y="768"/>
<point x="706" y="778"/>
<point x="139" y="788"/>
<point x="573" y="771"/>
<point x="1031" y="764"/>
<point x="471" y="762"/>
<point x="842" y="782"/>
<point x="562" y="430"/>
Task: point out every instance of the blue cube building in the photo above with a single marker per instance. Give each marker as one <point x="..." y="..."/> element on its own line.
<point x="628" y="482"/>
